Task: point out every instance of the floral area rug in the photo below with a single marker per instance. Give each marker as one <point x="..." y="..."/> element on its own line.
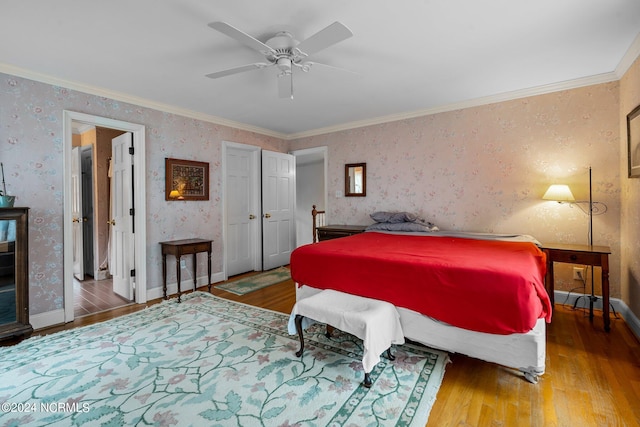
<point x="257" y="281"/>
<point x="210" y="362"/>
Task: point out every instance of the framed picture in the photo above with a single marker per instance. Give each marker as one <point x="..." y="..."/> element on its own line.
<point x="633" y="142"/>
<point x="186" y="180"/>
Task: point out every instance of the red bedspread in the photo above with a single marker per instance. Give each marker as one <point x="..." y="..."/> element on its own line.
<point x="481" y="285"/>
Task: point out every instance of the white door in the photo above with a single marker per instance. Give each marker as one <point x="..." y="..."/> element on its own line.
<point x="242" y="212"/>
<point x="122" y="242"/>
<point x="278" y="208"/>
<point x="76" y="213"/>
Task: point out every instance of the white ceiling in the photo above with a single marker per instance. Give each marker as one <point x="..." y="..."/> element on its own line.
<point x="413" y="56"/>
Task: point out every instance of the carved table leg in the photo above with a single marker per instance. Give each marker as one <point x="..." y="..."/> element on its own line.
<point x="209" y="269"/>
<point x="178" y="276"/>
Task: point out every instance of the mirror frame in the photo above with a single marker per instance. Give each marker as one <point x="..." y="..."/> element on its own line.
<point x="347" y="190"/>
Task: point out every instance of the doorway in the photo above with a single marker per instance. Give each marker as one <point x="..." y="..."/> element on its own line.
<point x="137" y="236"/>
<point x="311" y="189"/>
<point x="91" y="205"/>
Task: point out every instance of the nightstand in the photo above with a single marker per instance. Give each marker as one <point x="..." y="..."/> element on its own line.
<point x="328" y="232"/>
<point x="595" y="256"/>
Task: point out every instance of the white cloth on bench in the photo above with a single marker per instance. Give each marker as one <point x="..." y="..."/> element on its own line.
<point x="375" y="322"/>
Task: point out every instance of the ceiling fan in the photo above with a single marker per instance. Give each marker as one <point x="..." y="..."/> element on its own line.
<point x="283" y="52"/>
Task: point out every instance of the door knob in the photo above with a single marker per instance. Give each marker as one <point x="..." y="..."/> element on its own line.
<point x="111" y="222"/>
<point x="75" y="220"/>
<point x="267" y="215"/>
<point x="85" y="219"/>
<point x="252" y="217"/>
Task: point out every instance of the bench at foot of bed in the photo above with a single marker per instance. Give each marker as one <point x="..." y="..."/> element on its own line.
<point x="375" y="322"/>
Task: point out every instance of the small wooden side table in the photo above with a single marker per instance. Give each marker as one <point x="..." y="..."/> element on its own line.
<point x="597" y="256"/>
<point x="328" y="232"/>
<point x="177" y="248"/>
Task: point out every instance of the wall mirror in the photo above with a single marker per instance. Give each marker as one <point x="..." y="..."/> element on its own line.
<point x="355" y="179"/>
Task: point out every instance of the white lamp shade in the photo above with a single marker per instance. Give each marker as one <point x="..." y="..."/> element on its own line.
<point x="559" y="193"/>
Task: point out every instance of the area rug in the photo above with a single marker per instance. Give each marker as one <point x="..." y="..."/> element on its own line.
<point x="210" y="362"/>
<point x="257" y="281"/>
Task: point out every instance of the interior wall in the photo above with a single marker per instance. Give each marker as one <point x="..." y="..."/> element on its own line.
<point x="31" y="114"/>
<point x="630" y="221"/>
<point x="310" y="191"/>
<point x="486" y="168"/>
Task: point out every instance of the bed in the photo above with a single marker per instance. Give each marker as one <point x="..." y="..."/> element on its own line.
<point x="476" y="294"/>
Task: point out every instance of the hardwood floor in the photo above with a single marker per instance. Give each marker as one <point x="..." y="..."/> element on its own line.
<point x="93" y="296"/>
<point x="592" y="377"/>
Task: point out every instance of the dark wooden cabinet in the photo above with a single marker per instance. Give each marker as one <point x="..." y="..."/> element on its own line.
<point x="328" y="232"/>
<point x="14" y="272"/>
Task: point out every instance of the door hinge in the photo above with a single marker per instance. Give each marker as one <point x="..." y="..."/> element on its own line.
<point x="132" y="212"/>
<point x="133" y="273"/>
<point x="131" y="150"/>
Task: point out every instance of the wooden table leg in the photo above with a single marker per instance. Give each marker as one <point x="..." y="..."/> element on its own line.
<point x="605" y="291"/>
<point x="164" y="275"/>
<point x="209" y="269"/>
<point x="195" y="272"/>
<point x="178" y="275"/>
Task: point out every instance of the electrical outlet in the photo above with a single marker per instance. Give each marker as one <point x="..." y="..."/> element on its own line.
<point x="579" y="273"/>
<point x="183" y="263"/>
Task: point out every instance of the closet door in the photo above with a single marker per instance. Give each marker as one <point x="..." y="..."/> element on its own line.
<point x="278" y="208"/>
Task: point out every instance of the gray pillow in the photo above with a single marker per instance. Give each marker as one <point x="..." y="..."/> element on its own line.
<point x="403" y="226"/>
<point x="394" y="217"/>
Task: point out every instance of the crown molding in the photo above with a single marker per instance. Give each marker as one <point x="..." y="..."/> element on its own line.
<point x="122" y="97"/>
<point x="632" y="53"/>
<point x="629" y="57"/>
<point x="507" y="96"/>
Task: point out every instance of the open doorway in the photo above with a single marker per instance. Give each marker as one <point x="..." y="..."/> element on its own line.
<point x="99" y="221"/>
<point x="311" y="189"/>
<point x="91" y="205"/>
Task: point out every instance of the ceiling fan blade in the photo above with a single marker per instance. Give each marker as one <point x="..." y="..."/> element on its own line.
<point x="242" y="37"/>
<point x="332" y="34"/>
<point x="285" y="85"/>
<point x="236" y="70"/>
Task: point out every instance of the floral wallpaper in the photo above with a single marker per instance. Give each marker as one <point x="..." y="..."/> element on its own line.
<point x="31" y="149"/>
<point x="477" y="169"/>
<point x="486" y="168"/>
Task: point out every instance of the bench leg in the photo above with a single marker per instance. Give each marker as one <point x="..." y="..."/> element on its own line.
<point x="298" y="322"/>
<point x="367" y="380"/>
<point x="389" y="355"/>
<point x="367" y="375"/>
<point x="329" y="331"/>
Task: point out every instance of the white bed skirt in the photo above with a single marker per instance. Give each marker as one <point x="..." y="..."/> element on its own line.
<point x="524" y="352"/>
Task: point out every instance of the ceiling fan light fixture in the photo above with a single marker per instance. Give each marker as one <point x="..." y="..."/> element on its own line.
<point x="284" y="64"/>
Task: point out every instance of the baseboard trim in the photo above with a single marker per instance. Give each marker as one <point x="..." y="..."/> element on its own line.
<point x="185" y="285"/>
<point x="47" y="319"/>
<point x="569" y="298"/>
<point x="56" y="317"/>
